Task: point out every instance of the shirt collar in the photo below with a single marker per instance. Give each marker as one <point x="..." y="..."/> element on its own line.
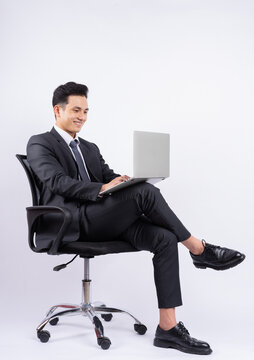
<point x="67" y="137"/>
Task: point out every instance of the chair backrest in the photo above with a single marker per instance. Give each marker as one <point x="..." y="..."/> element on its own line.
<point x="33" y="186"/>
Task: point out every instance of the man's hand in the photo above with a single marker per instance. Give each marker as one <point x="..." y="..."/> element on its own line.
<point x="113" y="182"/>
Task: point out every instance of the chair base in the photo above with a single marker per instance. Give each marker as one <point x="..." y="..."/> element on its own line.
<point x="89" y="309"/>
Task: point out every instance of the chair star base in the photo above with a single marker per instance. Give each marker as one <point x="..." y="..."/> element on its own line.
<point x="86" y="308"/>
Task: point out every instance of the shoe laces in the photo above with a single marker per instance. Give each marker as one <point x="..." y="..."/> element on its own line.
<point x="182" y="328"/>
<point x="211" y="246"/>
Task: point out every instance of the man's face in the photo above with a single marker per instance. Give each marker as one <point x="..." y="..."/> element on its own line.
<point x="72" y="116"/>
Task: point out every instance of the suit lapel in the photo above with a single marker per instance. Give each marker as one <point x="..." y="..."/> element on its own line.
<point x="61" y="141"/>
<point x="86" y="152"/>
<point x="65" y="147"/>
<point x="88" y="156"/>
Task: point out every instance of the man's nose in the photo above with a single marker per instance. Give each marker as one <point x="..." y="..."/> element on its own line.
<point x="82" y="117"/>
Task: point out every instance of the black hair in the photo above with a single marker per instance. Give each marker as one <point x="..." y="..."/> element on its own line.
<point x="61" y="93"/>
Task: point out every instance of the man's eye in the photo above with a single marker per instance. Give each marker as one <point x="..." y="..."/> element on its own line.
<point x="75" y="110"/>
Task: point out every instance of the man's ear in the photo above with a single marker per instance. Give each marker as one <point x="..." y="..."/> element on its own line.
<point x="57" y="111"/>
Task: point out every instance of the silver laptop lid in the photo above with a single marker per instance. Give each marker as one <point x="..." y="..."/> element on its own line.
<point x="150" y="154"/>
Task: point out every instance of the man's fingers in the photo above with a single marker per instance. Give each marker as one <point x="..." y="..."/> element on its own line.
<point x="119" y="179"/>
<point x="125" y="177"/>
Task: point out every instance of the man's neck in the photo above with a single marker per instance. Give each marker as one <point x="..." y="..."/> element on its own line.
<point x="65" y="135"/>
<point x="72" y="134"/>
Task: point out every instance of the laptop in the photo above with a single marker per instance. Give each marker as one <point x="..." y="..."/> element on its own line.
<point x="150" y="160"/>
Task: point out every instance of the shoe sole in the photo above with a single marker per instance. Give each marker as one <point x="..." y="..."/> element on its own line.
<point x="169" y="345"/>
<point x="221" y="267"/>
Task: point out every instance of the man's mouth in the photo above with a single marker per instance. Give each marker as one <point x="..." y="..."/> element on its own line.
<point x="78" y="123"/>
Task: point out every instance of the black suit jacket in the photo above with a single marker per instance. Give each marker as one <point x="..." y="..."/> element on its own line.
<point x="56" y="173"/>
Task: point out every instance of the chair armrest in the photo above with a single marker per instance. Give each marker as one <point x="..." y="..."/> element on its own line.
<point x="34" y="212"/>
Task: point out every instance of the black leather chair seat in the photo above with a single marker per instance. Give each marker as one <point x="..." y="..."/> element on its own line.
<point x="96" y="248"/>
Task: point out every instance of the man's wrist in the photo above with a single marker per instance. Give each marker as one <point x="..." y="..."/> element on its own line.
<point x="102" y="188"/>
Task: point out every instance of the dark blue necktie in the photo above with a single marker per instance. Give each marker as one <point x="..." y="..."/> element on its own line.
<point x="81" y="167"/>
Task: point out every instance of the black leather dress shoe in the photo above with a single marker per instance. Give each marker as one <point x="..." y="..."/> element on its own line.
<point x="179" y="338"/>
<point x="216" y="257"/>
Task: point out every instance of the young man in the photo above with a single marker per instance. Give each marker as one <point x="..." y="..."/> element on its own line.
<point x="71" y="173"/>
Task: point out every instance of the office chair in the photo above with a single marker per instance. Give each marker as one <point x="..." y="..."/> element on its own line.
<point x="83" y="249"/>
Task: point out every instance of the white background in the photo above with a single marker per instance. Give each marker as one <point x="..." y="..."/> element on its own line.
<point x="182" y="67"/>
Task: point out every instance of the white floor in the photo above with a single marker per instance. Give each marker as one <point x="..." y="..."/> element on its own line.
<point x="74" y="338"/>
<point x="218" y="308"/>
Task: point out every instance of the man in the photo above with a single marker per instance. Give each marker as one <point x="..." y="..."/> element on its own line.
<point x="71" y="173"/>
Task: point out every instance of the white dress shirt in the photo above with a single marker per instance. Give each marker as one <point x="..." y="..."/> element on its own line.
<point x="68" y="138"/>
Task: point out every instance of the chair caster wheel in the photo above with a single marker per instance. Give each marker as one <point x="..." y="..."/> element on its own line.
<point x="43" y="335"/>
<point x="107" y="317"/>
<point x="104" y="342"/>
<point x="140" y="329"/>
<point x="54" y="321"/>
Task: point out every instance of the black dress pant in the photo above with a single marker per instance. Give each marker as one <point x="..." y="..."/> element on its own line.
<point x="140" y="215"/>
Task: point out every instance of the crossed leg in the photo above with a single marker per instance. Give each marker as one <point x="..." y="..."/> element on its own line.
<point x="159" y="231"/>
